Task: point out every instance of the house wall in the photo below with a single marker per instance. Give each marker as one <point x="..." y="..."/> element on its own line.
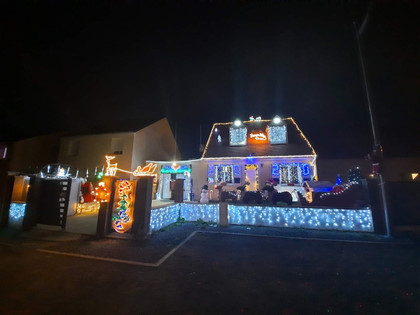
<point x="34" y="153"/>
<point x="199" y="171"/>
<point x="91" y="151"/>
<point x="155" y="142"/>
<point x="199" y="177"/>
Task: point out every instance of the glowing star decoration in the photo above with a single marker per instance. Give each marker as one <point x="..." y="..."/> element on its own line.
<point x="102" y="193"/>
<point x="111" y="169"/>
<point x="123" y="221"/>
<point x="257" y="137"/>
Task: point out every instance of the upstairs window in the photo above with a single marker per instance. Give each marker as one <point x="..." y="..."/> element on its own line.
<point x="277" y="134"/>
<point x="117" y="146"/>
<point x="237" y="136"/>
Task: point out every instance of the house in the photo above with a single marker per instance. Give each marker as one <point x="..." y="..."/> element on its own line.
<point x="31" y="154"/>
<point x="132" y="148"/>
<point x="243" y="152"/>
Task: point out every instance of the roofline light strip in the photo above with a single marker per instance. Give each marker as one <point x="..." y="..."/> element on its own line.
<point x="236" y="158"/>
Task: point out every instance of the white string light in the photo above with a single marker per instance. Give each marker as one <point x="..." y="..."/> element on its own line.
<point x="313" y="218"/>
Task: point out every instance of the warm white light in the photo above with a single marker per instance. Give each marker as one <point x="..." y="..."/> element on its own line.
<point x="414" y="175"/>
<point x="237" y="123"/>
<point x="276" y="119"/>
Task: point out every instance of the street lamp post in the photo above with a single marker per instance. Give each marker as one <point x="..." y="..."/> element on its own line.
<point x="377" y="145"/>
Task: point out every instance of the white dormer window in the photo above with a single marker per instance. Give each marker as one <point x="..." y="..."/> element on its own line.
<point x="277" y="134"/>
<point x="237" y="136"/>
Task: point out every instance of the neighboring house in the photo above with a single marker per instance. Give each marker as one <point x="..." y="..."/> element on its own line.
<point x="249" y="151"/>
<point x="397" y="169"/>
<point x="30" y="155"/>
<point x="131" y="149"/>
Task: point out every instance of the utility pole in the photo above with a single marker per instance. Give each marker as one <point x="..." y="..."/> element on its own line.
<point x="377" y="148"/>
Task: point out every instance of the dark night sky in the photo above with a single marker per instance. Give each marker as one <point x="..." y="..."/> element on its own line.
<point x="114" y="66"/>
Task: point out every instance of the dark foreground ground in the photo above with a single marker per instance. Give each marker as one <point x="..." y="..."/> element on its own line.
<point x="212" y="273"/>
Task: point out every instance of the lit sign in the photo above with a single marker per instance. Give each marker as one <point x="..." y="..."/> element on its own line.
<point x="257" y="137"/>
<point x="123" y="220"/>
<point x="175" y="169"/>
<point x="111" y="169"/>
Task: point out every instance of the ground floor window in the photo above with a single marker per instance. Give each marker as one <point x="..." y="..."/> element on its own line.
<point x="287" y="173"/>
<point x="224" y="173"/>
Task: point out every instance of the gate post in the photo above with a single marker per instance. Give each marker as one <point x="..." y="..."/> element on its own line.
<point x="104" y="225"/>
<point x="142" y="207"/>
<point x="223" y="214"/>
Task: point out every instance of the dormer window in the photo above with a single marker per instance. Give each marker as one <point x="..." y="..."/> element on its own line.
<point x="237" y="134"/>
<point x="277" y="134"/>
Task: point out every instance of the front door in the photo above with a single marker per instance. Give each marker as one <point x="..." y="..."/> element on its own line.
<point x="251" y="176"/>
<point x="166" y="189"/>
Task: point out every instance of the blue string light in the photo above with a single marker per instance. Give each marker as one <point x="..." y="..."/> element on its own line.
<point x="17" y="211"/>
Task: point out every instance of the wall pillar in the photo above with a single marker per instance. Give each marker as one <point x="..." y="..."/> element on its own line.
<point x="142" y="207"/>
<point x="223" y="214"/>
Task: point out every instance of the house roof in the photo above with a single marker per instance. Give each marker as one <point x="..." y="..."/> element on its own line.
<point x="297" y="143"/>
<point x="102" y="128"/>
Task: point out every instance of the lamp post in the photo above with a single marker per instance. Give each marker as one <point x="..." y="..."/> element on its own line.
<point x="377" y="148"/>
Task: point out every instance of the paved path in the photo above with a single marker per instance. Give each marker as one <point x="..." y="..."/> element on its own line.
<point x="213" y="271"/>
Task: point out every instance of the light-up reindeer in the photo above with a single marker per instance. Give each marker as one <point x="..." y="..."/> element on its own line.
<point x="111" y="169"/>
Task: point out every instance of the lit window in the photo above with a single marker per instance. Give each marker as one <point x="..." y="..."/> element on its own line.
<point x="224" y="173"/>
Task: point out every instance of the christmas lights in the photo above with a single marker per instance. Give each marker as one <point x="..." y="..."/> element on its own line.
<point x="306" y="170"/>
<point x="258" y="136"/>
<point x="224" y="173"/>
<point x="123" y="221"/>
<point x="289" y="118"/>
<point x="102" y="193"/>
<point x="161" y="217"/>
<point x="344" y="187"/>
<point x="289" y="172"/>
<point x="16" y="211"/>
<point x="277" y="134"/>
<point x="205" y="212"/>
<point x="312" y="218"/>
<point x="237" y="171"/>
<point x="175" y="169"/>
<point x="88" y="207"/>
<point x="237" y="136"/>
<point x="111" y="169"/>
